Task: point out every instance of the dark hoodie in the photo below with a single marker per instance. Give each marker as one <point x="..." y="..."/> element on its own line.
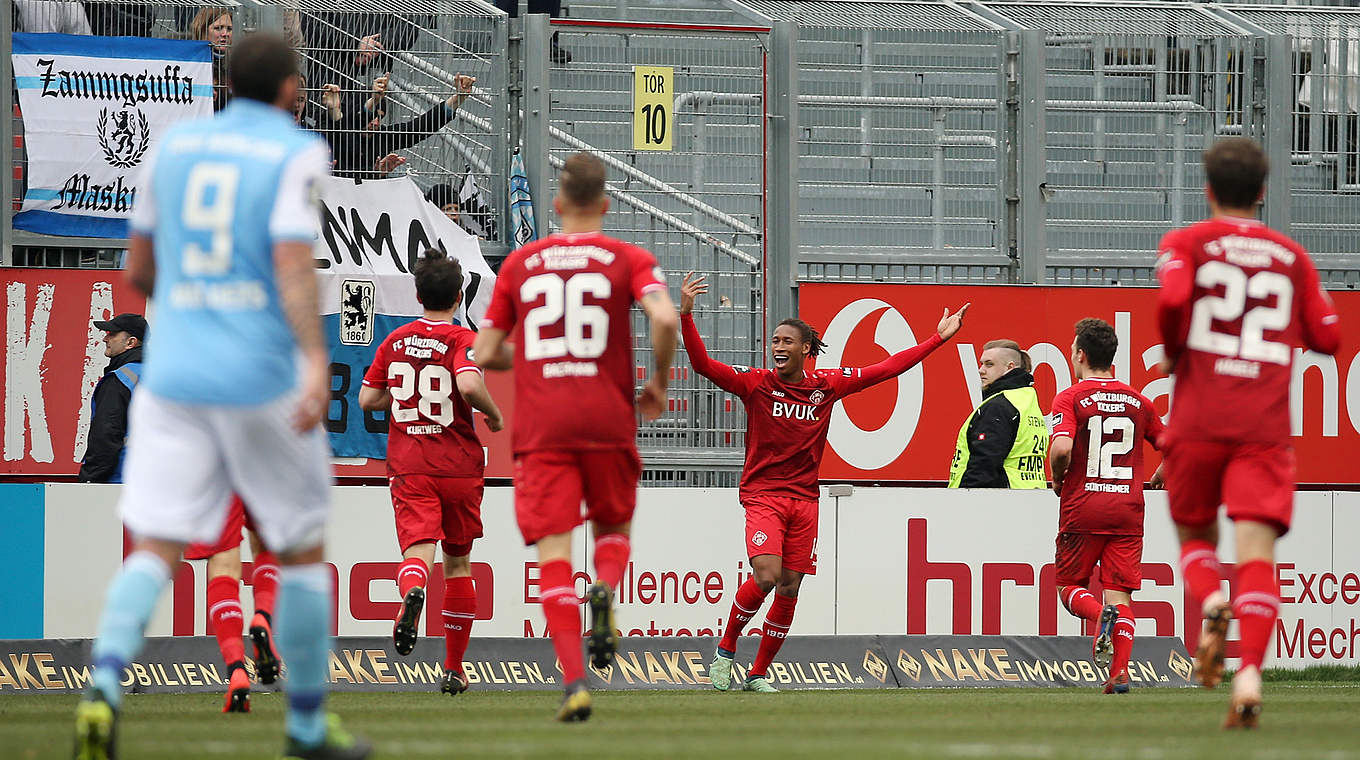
<point x="108" y="419"/>
<point x="991" y="434"/>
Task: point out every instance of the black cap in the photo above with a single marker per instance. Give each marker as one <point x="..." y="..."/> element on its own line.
<point x="132" y="324"/>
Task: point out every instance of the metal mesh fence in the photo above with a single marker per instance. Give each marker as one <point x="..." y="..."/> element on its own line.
<point x="1134" y="95"/>
<point x="902" y="119"/>
<point x="1324" y="166"/>
<point x="697" y="207"/>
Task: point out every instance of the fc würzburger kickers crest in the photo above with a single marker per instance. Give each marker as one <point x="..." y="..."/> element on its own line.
<point x="93" y="108"/>
<point x="356" y="312"/>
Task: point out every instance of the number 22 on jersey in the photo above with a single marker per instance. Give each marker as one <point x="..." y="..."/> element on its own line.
<point x="1250" y="342"/>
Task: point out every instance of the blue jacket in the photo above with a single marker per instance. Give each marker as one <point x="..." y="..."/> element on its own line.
<point x="104" y="450"/>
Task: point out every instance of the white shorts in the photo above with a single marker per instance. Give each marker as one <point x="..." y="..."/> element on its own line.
<point x="185" y="461"/>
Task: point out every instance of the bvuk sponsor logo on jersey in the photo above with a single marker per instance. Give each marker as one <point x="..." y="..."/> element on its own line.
<point x="356" y="312"/>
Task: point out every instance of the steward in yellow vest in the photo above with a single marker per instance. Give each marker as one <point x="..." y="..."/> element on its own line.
<point x="1004" y="442"/>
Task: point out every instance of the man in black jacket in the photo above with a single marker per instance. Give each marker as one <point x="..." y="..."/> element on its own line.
<point x="1004" y="442"/>
<point x="123" y="339"/>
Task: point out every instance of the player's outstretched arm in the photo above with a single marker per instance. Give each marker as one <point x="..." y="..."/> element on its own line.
<point x="660" y="310"/>
<point x="722" y="375"/>
<point x="140" y="269"/>
<point x="490" y="351"/>
<point x="1321" y="324"/>
<point x="1175" y="273"/>
<point x="296" y="277"/>
<point x="472" y="388"/>
<point x="902" y="361"/>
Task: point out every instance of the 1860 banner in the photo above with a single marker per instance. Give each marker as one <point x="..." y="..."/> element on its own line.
<point x="904" y="429"/>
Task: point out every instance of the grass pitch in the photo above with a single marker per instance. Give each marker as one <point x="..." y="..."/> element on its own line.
<point x="1300" y="721"/>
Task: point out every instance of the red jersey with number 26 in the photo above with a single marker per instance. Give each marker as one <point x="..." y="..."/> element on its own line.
<point x="1237" y="297"/>
<point x="1103" y="489"/>
<point x="565" y="300"/>
<point x="429" y="426"/>
<point x="787" y="423"/>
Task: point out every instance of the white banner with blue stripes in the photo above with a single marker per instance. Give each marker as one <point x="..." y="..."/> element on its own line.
<point x="92" y="107"/>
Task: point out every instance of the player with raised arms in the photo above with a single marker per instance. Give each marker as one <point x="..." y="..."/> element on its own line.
<point x="567" y="299"/>
<point x="424" y="376"/>
<point x="1096" y="457"/>
<point x="1236" y="299"/>
<point x="233" y="395"/>
<point x="788" y="414"/>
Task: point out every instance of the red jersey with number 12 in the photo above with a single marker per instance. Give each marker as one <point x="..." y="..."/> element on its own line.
<point x="1103" y="489"/>
<point x="1236" y="299"/>
<point x="566" y="301"/>
<point x="429" y="425"/>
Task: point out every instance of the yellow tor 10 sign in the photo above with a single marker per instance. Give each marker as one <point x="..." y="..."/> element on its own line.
<point x="652" y="98"/>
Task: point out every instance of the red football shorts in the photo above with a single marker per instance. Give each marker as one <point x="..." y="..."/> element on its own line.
<point x="430" y="508"/>
<point x="1120" y="558"/>
<point x="551" y="484"/>
<point x="1254" y="480"/>
<point x="785" y="527"/>
<point x="237" y="518"/>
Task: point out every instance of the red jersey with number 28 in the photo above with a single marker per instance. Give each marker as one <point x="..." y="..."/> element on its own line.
<point x="1237" y="297"/>
<point x="787" y="423"/>
<point x="1103" y="489"/>
<point x="565" y="300"/>
<point x="429" y="426"/>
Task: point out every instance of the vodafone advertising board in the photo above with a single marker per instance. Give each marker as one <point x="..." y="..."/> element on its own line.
<point x="904" y="429"/>
<point x="891" y="561"/>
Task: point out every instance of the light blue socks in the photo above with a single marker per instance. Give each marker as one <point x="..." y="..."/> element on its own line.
<point x="302" y="631"/>
<point x="130" y="602"/>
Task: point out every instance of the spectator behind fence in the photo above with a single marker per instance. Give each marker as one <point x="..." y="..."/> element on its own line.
<point x="124" y="336"/>
<point x="551" y="7"/>
<point x="214" y="25"/>
<point x="362" y="146"/>
<point x="120" y="19"/>
<point x="446" y="199"/>
<point x="312" y="116"/>
<point x="49" y="16"/>
<point x="351" y="48"/>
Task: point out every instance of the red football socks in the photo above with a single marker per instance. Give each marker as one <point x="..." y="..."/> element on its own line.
<point x="772" y="636"/>
<point x="611" y="556"/>
<point x="1256" y="604"/>
<point x="1081" y="603"/>
<point x="561" y="608"/>
<point x="460" y="609"/>
<point x="1123" y="639"/>
<point x="264" y="582"/>
<point x="744" y="607"/>
<point x="1200" y="569"/>
<point x="410" y="574"/>
<point x="224" y="608"/>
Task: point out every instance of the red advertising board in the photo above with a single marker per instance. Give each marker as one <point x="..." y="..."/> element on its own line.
<point x="54" y="356"/>
<point x="904" y="429"/>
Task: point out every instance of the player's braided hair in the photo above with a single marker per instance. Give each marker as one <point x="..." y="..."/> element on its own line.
<point x="809" y="334"/>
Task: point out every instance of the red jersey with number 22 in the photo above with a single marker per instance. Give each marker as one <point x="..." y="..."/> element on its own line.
<point x="565" y="300"/>
<point x="1236" y="298"/>
<point x="429" y="426"/>
<point x="1103" y="489"/>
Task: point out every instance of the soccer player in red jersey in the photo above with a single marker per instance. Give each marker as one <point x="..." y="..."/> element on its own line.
<point x="567" y="299"/>
<point x="1099" y="425"/>
<point x="788" y="414"/>
<point x="424" y="376"/>
<point x="224" y="604"/>
<point x="1236" y="299"/>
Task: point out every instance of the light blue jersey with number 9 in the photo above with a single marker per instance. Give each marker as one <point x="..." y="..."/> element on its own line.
<point x="216" y="196"/>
